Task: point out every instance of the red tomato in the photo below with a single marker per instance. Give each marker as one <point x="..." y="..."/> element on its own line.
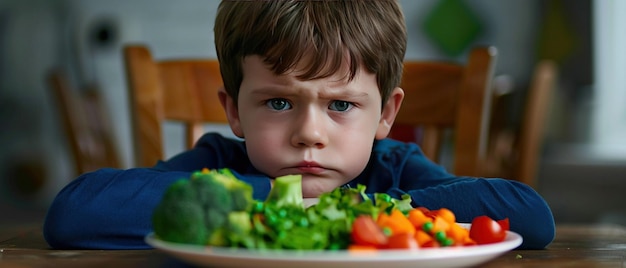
<point x="402" y="241"/>
<point x="365" y="231"/>
<point x="504" y="223"/>
<point x="485" y="230"/>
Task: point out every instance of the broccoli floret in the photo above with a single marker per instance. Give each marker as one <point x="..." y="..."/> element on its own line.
<point x="287" y="191"/>
<point x="240" y="191"/>
<point x="179" y="217"/>
<point x="199" y="209"/>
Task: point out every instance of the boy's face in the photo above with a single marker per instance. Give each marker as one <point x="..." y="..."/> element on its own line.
<point x="323" y="129"/>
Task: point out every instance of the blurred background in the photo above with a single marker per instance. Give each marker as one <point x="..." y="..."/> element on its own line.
<point x="582" y="172"/>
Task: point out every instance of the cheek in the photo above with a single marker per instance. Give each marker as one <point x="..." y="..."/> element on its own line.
<point x="356" y="151"/>
<point x="352" y="145"/>
<point x="264" y="146"/>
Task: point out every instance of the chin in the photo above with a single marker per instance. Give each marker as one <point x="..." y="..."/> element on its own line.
<point x="314" y="187"/>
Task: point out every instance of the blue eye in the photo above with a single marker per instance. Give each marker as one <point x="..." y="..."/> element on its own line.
<point x="278" y="104"/>
<point x="340" y="106"/>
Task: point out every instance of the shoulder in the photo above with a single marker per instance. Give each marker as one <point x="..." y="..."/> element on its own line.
<point x="396" y="151"/>
<point x="387" y="144"/>
<point x="221" y="145"/>
<point x="398" y="162"/>
<point x="214" y="139"/>
<point x="212" y="150"/>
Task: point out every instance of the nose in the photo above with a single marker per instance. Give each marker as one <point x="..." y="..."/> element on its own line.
<point x="310" y="129"/>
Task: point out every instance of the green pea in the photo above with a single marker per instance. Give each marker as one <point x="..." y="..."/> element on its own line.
<point x="427" y="227"/>
<point x="282" y="213"/>
<point x="440" y="236"/>
<point x="303" y="222"/>
<point x="447" y="242"/>
<point x="387" y="231"/>
<point x="258" y="207"/>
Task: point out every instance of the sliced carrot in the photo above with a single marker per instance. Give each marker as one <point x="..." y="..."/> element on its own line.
<point x="382" y="219"/>
<point x="440" y="225"/>
<point x="469" y="242"/>
<point x="422" y="237"/>
<point x="418" y="218"/>
<point x="446" y="214"/>
<point x="396" y="222"/>
<point x="457" y="233"/>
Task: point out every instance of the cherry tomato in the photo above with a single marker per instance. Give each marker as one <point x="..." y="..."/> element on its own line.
<point x="402" y="241"/>
<point x="365" y="231"/>
<point x="485" y="230"/>
<point x="504" y="223"/>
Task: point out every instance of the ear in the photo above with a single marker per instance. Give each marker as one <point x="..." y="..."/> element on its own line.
<point x="232" y="113"/>
<point x="389" y="112"/>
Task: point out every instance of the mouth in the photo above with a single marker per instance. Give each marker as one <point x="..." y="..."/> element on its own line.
<point x="310" y="167"/>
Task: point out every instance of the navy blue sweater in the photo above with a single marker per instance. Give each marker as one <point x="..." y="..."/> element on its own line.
<point x="112" y="208"/>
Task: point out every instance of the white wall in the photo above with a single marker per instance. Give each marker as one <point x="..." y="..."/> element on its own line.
<point x="609" y="125"/>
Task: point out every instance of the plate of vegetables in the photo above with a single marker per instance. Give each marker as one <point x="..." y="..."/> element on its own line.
<point x="210" y="219"/>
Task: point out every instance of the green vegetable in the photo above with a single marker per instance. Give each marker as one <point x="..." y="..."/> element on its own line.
<point x="206" y="208"/>
<point x="179" y="217"/>
<point x="215" y="208"/>
<point x="281" y="222"/>
<point x="287" y="191"/>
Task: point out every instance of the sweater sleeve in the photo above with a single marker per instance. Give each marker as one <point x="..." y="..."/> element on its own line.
<point x="107" y="209"/>
<point x="112" y="208"/>
<point x="528" y="213"/>
<point x="429" y="185"/>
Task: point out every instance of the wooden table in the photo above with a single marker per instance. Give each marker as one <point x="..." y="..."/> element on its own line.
<point x="574" y="246"/>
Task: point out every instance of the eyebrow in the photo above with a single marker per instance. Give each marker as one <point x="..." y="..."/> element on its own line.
<point x="289" y="91"/>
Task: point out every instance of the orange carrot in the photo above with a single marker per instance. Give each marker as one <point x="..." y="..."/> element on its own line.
<point x="446" y="214"/>
<point x="418" y="218"/>
<point x="440" y="225"/>
<point x="396" y="222"/>
<point x="457" y="233"/>
<point x="422" y="237"/>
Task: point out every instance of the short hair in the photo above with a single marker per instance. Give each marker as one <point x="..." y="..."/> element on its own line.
<point x="372" y="32"/>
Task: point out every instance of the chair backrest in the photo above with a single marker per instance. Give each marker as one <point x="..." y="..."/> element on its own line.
<point x="515" y="153"/>
<point x="532" y="129"/>
<point x="446" y="96"/>
<point x="182" y="90"/>
<point x="85" y="123"/>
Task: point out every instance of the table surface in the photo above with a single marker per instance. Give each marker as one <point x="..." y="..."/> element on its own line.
<point x="575" y="246"/>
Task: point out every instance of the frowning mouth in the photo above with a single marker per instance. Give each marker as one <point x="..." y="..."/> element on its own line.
<point x="310" y="167"/>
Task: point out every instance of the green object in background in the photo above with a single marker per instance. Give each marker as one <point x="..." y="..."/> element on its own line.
<point x="558" y="38"/>
<point x="452" y="26"/>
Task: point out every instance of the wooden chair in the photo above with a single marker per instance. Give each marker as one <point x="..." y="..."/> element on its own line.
<point x="516" y="154"/>
<point x="86" y="124"/>
<point x="183" y="90"/>
<point x="445" y="96"/>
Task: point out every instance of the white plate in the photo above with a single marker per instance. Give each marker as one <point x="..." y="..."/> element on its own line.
<point x="431" y="257"/>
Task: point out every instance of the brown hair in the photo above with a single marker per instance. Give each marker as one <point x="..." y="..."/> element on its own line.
<point x="372" y="32"/>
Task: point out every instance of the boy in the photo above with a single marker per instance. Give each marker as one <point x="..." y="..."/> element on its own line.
<point x="312" y="88"/>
